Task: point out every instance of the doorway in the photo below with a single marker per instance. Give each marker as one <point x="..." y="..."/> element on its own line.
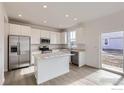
<point x="112" y="47"/>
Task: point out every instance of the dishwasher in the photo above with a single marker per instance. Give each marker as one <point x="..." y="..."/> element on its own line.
<point x="75" y="58"/>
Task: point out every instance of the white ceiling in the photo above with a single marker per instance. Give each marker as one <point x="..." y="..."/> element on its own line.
<point x="54" y="14"/>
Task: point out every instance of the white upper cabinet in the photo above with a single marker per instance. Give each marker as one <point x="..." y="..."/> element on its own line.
<point x="55" y="38"/>
<point x="44" y="34"/>
<point x="19" y="30"/>
<point x="35" y="36"/>
<point x="14" y="29"/>
<point x="63" y="38"/>
<point x="58" y="37"/>
<point x="25" y="30"/>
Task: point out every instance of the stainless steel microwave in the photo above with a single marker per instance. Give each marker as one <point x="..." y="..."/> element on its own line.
<point x="44" y="41"/>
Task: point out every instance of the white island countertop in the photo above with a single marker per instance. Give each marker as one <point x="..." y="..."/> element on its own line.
<point x="51" y="55"/>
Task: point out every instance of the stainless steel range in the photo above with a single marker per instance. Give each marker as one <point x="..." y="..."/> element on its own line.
<point x="19" y="51"/>
<point x="45" y="49"/>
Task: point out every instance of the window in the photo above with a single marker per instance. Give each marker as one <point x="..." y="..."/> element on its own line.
<point x="72" y="39"/>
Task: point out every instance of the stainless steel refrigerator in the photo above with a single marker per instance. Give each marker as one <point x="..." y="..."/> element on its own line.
<point x="19" y="51"/>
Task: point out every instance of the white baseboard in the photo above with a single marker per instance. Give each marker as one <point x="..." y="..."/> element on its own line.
<point x="93" y="66"/>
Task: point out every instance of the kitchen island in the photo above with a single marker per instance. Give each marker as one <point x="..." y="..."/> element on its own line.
<point x="50" y="65"/>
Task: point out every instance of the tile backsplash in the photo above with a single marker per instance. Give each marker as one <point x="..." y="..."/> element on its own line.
<point x="51" y="46"/>
<point x="57" y="46"/>
<point x="77" y="46"/>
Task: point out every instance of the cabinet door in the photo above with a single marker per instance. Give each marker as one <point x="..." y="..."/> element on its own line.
<point x="35" y="36"/>
<point x="80" y="36"/>
<point x="81" y="58"/>
<point x="25" y="30"/>
<point x="19" y="30"/>
<point x="45" y="34"/>
<point x="42" y="34"/>
<point x="64" y="38"/>
<point x="58" y="36"/>
<point x="53" y="38"/>
<point x="14" y="29"/>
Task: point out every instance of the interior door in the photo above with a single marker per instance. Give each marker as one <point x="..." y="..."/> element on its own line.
<point x="13" y="52"/>
<point x="24" y="58"/>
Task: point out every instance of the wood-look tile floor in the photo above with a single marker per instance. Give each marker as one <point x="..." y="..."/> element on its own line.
<point x="77" y="76"/>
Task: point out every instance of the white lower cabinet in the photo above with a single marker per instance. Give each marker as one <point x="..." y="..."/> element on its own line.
<point x="81" y="58"/>
<point x="78" y="58"/>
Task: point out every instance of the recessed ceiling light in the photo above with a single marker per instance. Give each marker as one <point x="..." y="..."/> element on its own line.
<point x="19" y="15"/>
<point x="66" y="15"/>
<point x="45" y="21"/>
<point x="75" y="19"/>
<point x="44" y="6"/>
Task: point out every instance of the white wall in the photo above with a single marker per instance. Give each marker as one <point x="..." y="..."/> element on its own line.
<point x="80" y="33"/>
<point x="2" y="15"/>
<point x="94" y="28"/>
<point x="6" y="33"/>
<point x="1" y="44"/>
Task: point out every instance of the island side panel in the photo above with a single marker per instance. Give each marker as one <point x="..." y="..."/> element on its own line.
<point x="51" y="68"/>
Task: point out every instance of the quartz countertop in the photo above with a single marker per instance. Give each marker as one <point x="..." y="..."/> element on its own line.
<point x="51" y="55"/>
<point x="78" y="50"/>
<point x="67" y="49"/>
